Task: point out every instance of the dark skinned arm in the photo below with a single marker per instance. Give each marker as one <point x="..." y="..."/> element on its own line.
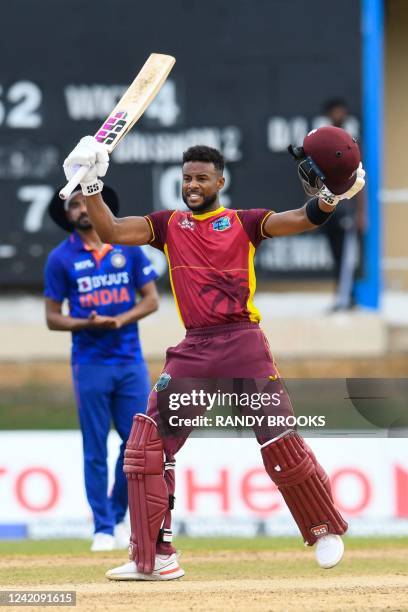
<point x="114" y="230"/>
<point x="292" y="221"/>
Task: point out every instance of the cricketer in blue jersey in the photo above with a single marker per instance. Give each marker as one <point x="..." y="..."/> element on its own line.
<point x="101" y="283"/>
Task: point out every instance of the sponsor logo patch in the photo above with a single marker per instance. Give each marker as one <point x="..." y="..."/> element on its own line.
<point x="163" y="382"/>
<point x="87" y="283"/>
<point x="83" y="265"/>
<point x="320" y="530"/>
<point x="221" y="224"/>
<point x="187" y="224"/>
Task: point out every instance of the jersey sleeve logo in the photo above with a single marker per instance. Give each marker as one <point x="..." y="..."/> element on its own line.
<point x="221" y="224"/>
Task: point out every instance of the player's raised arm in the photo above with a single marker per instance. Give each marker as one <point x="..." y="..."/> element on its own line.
<point x="314" y="213"/>
<point x="309" y="217"/>
<point x="330" y="169"/>
<point x="127" y="230"/>
<point x="114" y="230"/>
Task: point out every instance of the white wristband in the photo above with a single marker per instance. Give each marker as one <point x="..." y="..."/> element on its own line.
<point x="91" y="188"/>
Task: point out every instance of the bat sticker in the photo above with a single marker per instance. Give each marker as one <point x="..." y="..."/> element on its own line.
<point x="111" y="128"/>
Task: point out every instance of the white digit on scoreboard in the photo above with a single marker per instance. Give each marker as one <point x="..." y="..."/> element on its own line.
<point x="164" y="107"/>
<point x="26" y="97"/>
<point x="38" y="198"/>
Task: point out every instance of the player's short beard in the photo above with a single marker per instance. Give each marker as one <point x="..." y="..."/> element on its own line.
<point x="80" y="224"/>
<point x="204" y="207"/>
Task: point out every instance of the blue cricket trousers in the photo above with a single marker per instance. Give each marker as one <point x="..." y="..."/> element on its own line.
<point x="106" y="393"/>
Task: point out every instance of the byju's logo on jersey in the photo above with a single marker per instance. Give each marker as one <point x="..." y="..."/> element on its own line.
<point x="187" y="224"/>
<point x="118" y="260"/>
<point x="221" y="224"/>
<point x="84" y="265"/>
<point x="88" y="283"/>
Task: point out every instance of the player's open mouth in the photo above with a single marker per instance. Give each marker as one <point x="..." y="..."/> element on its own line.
<point x="194" y="197"/>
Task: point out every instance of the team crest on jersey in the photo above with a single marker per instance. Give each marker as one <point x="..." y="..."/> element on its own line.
<point x="163" y="382"/>
<point x="187" y="224"/>
<point x="221" y="224"/>
<point x="118" y="260"/>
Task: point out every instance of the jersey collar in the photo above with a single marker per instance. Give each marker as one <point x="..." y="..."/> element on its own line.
<point x="207" y="215"/>
<point x="79" y="245"/>
<point x="99" y="255"/>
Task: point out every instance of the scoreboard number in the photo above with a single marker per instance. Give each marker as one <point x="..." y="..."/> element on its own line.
<point x="164" y="107"/>
<point x="26" y="99"/>
<point x="38" y="197"/>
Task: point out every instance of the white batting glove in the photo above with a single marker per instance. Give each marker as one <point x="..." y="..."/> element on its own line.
<point x="332" y="200"/>
<point x="91" y="153"/>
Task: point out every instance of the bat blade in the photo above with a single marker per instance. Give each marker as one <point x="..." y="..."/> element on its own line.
<point x="135" y="100"/>
<point x="129" y="109"/>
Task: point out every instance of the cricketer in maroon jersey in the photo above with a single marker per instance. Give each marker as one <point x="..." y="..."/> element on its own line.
<point x="210" y="252"/>
<point x="211" y="262"/>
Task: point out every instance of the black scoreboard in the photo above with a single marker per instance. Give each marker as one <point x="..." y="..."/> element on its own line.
<point x="251" y="77"/>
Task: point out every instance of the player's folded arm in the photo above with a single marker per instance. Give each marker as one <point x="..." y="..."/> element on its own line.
<point x="148" y="303"/>
<point x="53" y="311"/>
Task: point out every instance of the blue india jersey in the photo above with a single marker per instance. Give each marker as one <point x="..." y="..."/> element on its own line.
<point x="106" y="282"/>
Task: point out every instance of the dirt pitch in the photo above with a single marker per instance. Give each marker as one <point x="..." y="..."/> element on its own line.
<point x="222" y="575"/>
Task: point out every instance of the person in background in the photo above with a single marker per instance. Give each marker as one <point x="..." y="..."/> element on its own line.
<point x="111" y="382"/>
<point x="344" y="230"/>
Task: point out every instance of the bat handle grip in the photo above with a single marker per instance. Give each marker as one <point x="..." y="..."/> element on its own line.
<point x="73" y="182"/>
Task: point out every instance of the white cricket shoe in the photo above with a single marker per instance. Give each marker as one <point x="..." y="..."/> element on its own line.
<point x="329" y="550"/>
<point x="102" y="542"/>
<point x="166" y="567"/>
<point x="122" y="536"/>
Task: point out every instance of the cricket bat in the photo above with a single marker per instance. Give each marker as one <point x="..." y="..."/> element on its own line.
<point x="128" y="110"/>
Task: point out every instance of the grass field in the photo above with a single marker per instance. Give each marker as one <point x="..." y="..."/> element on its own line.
<point x="221" y="574"/>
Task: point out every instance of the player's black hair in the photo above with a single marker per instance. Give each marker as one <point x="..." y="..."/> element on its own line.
<point x="329" y="105"/>
<point x="204" y="154"/>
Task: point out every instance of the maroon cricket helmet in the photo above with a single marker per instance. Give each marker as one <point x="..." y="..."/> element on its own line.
<point x="336" y="154"/>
